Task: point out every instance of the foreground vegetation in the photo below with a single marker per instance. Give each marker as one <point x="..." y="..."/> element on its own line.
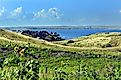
<point x="25" y="58"/>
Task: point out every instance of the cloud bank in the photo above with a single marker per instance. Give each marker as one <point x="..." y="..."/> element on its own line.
<point x="20" y="14"/>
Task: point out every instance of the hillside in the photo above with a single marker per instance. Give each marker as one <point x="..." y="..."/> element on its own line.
<point x="97" y="44"/>
<point x="90" y="57"/>
<point x="100" y="40"/>
<point x="93" y="42"/>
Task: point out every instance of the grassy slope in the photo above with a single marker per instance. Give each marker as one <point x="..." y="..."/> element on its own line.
<point x="96" y="40"/>
<point x="52" y="67"/>
<point x="91" y="44"/>
<point x="100" y="41"/>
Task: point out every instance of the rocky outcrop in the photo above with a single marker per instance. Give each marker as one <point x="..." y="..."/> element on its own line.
<point x="52" y="36"/>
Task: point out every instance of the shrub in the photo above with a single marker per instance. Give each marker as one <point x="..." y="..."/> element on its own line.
<point x="70" y="41"/>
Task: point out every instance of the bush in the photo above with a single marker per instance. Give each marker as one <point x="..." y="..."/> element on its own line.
<point x="70" y="41"/>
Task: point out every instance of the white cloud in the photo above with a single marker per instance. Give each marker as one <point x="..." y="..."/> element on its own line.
<point x="55" y="12"/>
<point x="18" y="11"/>
<point x="2" y="11"/>
<point x="40" y="14"/>
<point x="51" y="13"/>
<point x="18" y="14"/>
<point x="120" y="11"/>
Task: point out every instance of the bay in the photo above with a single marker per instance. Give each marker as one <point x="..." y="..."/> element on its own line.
<point x="70" y="33"/>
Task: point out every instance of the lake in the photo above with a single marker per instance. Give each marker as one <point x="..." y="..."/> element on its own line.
<point x="71" y="33"/>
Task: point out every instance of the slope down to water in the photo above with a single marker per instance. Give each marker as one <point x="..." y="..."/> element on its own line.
<point x="100" y="40"/>
<point x="108" y="43"/>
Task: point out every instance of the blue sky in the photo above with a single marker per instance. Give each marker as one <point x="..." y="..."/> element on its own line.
<point x="60" y="12"/>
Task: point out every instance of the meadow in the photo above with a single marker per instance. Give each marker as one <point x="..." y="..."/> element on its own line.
<point x="26" y="58"/>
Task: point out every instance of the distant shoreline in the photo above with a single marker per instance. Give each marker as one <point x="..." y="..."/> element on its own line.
<point x="63" y="27"/>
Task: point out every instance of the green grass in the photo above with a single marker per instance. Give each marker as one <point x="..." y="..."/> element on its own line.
<point x="100" y="40"/>
<point x="104" y="43"/>
<point x="60" y="68"/>
<point x="44" y="60"/>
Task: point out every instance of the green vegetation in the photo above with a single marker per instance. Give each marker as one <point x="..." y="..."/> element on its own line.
<point x="100" y="40"/>
<point x="26" y="58"/>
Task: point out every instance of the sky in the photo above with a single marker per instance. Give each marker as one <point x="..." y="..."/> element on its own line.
<point x="60" y="12"/>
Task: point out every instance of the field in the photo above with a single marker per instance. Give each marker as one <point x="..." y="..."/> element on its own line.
<point x="93" y="57"/>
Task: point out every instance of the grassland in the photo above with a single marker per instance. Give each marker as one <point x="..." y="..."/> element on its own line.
<point x="94" y="57"/>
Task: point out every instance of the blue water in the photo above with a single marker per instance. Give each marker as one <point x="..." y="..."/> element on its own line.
<point x="73" y="33"/>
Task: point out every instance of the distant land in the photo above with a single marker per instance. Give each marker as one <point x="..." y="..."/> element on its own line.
<point x="62" y="27"/>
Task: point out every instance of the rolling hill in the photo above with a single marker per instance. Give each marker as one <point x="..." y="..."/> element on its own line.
<point x="96" y="42"/>
<point x="92" y="57"/>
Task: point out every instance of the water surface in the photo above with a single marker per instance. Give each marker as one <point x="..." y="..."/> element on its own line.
<point x="71" y="33"/>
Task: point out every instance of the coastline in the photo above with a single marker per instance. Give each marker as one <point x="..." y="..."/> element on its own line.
<point x="62" y="27"/>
